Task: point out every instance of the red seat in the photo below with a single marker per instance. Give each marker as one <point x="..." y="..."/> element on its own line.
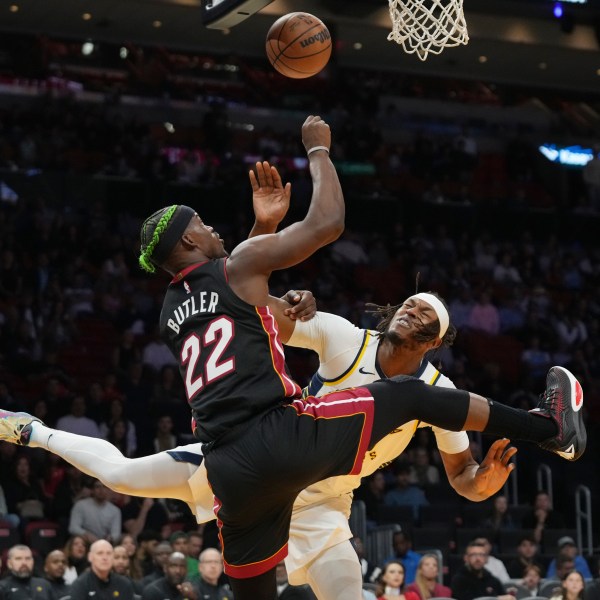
<point x="8" y="536"/>
<point x="43" y="536"/>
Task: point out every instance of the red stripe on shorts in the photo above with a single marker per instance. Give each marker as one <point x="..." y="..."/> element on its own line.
<point x="257" y="568"/>
<point x="345" y="403"/>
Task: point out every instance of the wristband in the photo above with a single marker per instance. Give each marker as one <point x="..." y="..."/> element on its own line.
<point x="315" y="148"/>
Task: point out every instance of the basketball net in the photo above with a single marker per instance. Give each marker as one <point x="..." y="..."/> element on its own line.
<point x="424" y="26"/>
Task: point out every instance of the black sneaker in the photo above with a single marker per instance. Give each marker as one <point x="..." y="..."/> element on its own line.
<point x="562" y="402"/>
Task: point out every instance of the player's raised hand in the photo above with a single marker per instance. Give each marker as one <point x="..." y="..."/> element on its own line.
<point x="270" y="198"/>
<point x="495" y="468"/>
<point x="315" y="132"/>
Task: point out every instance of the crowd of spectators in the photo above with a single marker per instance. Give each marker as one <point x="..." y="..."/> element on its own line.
<point x="78" y="319"/>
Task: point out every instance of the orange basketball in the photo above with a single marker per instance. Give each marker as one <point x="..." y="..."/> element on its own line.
<point x="298" y="45"/>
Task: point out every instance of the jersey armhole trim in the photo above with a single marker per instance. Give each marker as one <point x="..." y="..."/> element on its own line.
<point x="435" y="378"/>
<point x="355" y="362"/>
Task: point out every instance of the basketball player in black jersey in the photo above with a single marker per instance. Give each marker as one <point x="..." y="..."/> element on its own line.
<point x="263" y="443"/>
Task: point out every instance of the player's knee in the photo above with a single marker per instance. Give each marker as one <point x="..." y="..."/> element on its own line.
<point x="117" y="479"/>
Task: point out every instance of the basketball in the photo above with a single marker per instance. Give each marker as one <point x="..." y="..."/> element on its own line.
<point x="298" y="45"/>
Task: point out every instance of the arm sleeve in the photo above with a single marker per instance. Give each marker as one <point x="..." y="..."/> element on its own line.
<point x="333" y="338"/>
<point x="450" y="442"/>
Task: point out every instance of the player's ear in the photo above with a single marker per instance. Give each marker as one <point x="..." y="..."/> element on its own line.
<point x="188" y="241"/>
<point x="436" y="343"/>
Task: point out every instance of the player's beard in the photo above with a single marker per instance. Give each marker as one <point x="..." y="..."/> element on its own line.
<point x="410" y="342"/>
<point x="394" y="339"/>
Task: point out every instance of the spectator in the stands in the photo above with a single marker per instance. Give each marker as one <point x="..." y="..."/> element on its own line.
<point x="126" y="353"/>
<point x="77" y="422"/>
<point x="572" y="587"/>
<point x="370" y="572"/>
<point x="505" y="272"/>
<point x="531" y="580"/>
<point x="164" y="439"/>
<point x="128" y="542"/>
<point x="152" y="554"/>
<point x="493" y="564"/>
<point x="24" y="494"/>
<point x="76" y="550"/>
<point x="12" y="519"/>
<point x="403" y="552"/>
<point x="426" y="584"/>
<point x="100" y="579"/>
<point x="526" y="556"/>
<point x="499" y="517"/>
<point x="155" y="353"/>
<point x="71" y="489"/>
<point x="542" y="516"/>
<point x="473" y="580"/>
<point x="391" y="582"/>
<point x="568" y="548"/>
<point x="404" y="493"/>
<point x="96" y="518"/>
<point x="484" y="315"/>
<point x="122" y="566"/>
<point x="194" y="547"/>
<point x="20" y="582"/>
<point x="119" y="430"/>
<point x="55" y="567"/>
<point x="173" y="584"/>
<point x="139" y="514"/>
<point x="422" y="472"/>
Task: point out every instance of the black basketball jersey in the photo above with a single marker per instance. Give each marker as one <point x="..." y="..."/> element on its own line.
<point x="229" y="352"/>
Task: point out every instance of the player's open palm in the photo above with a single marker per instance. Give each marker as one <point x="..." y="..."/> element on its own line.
<point x="270" y="198"/>
<point x="495" y="468"/>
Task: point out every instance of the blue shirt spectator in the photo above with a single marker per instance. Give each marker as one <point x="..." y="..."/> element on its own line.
<point x="403" y="552"/>
<point x="568" y="548"/>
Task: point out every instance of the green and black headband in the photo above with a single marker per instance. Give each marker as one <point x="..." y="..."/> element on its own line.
<point x="160" y="233"/>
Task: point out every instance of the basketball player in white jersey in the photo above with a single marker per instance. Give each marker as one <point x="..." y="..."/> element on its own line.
<point x="321" y="553"/>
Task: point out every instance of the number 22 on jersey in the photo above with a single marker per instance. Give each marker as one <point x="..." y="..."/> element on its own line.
<point x="216" y="339"/>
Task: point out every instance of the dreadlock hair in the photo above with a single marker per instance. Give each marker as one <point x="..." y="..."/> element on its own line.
<point x="425" y="334"/>
<point x="152" y="229"/>
<point x="161" y="232"/>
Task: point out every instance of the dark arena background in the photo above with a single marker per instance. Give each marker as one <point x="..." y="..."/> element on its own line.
<point x="474" y="173"/>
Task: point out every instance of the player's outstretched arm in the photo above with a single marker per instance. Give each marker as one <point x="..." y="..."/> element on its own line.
<point x="323" y="223"/>
<point x="479" y="482"/>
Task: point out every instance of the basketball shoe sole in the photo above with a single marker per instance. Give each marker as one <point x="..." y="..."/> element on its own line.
<point x="562" y="402"/>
